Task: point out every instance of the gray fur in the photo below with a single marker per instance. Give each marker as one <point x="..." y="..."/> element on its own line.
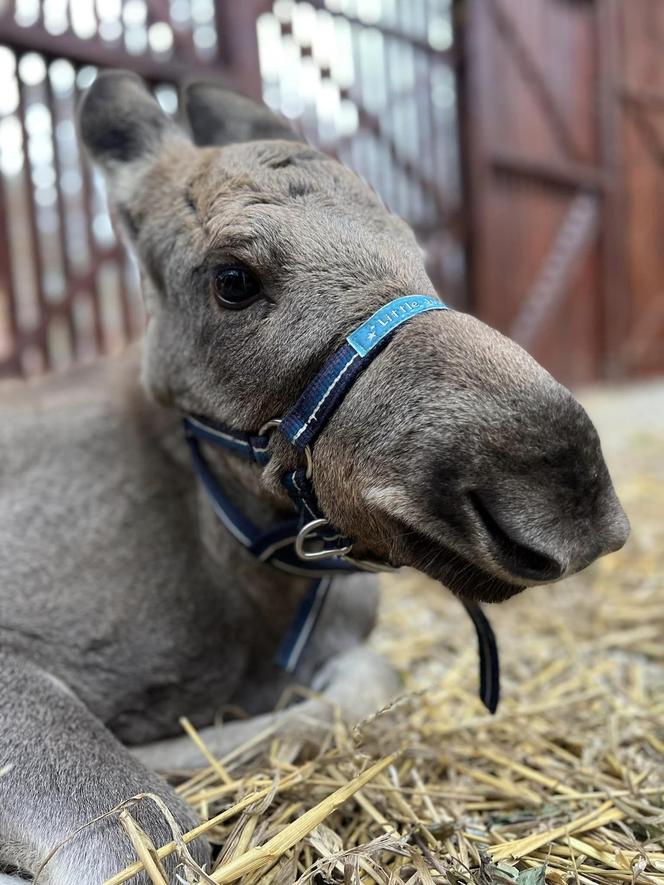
<point x="124" y="604"/>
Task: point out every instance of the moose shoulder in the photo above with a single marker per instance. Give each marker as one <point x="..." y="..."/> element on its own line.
<point x="128" y="598"/>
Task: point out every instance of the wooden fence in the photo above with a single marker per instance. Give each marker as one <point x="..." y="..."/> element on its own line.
<point x="522" y="139"/>
<point x="564" y="140"/>
<point x="68" y="288"/>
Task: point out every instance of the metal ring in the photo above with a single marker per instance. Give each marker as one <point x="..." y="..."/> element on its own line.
<point x="313" y="555"/>
<point x="273" y="424"/>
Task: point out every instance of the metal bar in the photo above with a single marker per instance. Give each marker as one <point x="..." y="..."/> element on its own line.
<point x="569" y="175"/>
<point x="388" y="190"/>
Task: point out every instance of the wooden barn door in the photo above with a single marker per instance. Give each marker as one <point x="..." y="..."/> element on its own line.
<point x="535" y="177"/>
<point x="564" y="139"/>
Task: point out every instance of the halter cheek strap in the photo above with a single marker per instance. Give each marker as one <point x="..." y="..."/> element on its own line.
<point x="307" y="544"/>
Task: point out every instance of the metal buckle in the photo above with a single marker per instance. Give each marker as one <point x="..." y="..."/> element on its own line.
<point x="367" y="565"/>
<point x="313" y="555"/>
<point x="272" y="424"/>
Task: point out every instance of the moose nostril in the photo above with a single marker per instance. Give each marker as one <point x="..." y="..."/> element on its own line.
<point x="520" y="559"/>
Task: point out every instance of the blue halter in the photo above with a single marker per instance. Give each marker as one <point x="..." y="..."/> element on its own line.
<point x="308" y="545"/>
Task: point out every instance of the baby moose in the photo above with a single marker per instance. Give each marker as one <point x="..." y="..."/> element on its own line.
<point x="151" y="572"/>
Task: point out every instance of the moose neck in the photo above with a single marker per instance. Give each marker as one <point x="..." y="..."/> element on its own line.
<point x="275" y="594"/>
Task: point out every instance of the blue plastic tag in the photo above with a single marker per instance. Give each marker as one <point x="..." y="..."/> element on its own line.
<point x="389" y="318"/>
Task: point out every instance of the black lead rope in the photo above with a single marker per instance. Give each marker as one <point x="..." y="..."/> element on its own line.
<point x="488" y="652"/>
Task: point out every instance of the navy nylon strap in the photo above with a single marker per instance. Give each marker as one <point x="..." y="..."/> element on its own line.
<point x="301" y="491"/>
<point x="321" y="397"/>
<point x="235" y="521"/>
<point x="275" y="546"/>
<point x="296" y="639"/>
<point x="253" y="447"/>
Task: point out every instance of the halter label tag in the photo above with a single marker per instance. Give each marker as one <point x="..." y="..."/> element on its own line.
<point x="389" y="318"/>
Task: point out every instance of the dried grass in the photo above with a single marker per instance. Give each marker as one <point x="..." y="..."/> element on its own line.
<point x="564" y="784"/>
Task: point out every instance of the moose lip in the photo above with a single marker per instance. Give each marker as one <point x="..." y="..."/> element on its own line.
<point x="463" y="577"/>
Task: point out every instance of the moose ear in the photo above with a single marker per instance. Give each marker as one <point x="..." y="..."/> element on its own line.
<point x="120" y="122"/>
<point x="219" y="116"/>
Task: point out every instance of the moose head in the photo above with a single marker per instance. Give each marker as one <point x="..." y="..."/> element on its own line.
<point x="454" y="452"/>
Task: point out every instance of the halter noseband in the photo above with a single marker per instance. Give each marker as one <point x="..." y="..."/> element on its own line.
<point x="308" y="545"/>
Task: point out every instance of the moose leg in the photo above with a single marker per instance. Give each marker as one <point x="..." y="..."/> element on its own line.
<point x="352" y="685"/>
<point x="61" y="768"/>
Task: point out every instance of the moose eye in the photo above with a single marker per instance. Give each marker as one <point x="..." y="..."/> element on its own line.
<point x="236" y="287"/>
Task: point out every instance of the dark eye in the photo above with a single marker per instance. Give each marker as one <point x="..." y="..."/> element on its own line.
<point x="236" y="287"/>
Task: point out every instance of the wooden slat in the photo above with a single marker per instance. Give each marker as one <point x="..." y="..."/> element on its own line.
<point x="615" y="301"/>
<point x="640" y="85"/>
<point x="35" y="239"/>
<point x="563" y="174"/>
<point x="62" y="220"/>
<point x="12" y="364"/>
<point x="536" y="80"/>
<point x="551" y="288"/>
<point x="98" y="53"/>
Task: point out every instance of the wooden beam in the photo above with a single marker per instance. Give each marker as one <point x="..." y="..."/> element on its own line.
<point x="101" y="54"/>
<point x="576" y="235"/>
<point x="654" y="100"/>
<point x="566" y="174"/>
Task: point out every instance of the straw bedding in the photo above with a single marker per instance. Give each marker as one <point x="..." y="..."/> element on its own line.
<point x="564" y="784"/>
